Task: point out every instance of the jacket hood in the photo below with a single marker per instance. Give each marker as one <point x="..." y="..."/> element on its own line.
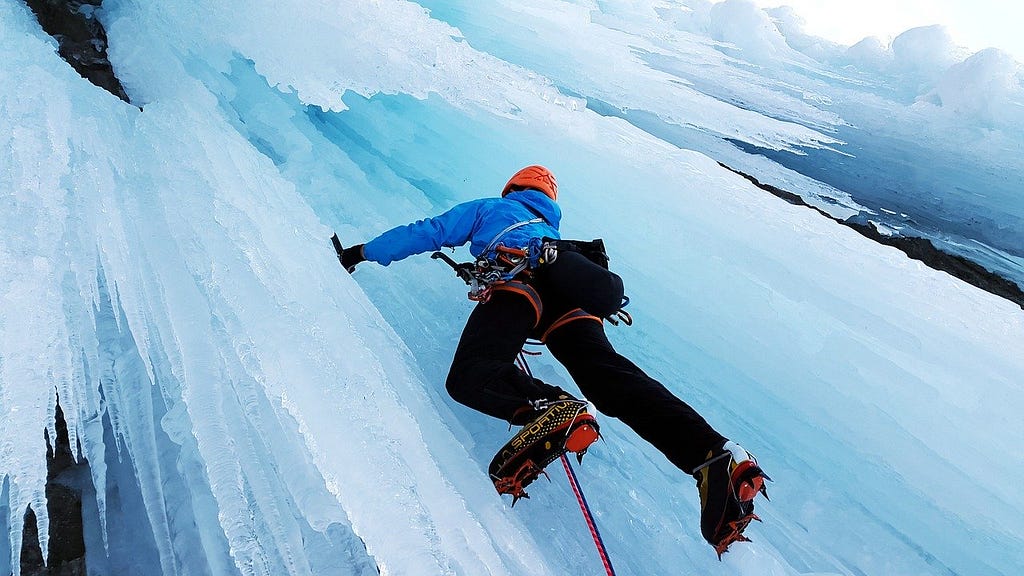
<point x="539" y="203"/>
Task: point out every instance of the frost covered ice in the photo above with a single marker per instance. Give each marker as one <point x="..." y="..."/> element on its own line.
<point x="246" y="407"/>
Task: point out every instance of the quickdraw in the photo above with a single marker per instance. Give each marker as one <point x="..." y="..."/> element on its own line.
<point x="488" y="271"/>
<point x="621" y="316"/>
<point x="481" y="276"/>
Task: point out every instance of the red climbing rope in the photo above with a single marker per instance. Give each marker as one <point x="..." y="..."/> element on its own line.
<point x="574" y="482"/>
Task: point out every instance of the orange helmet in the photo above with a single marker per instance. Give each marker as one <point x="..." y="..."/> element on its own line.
<point x="536" y="177"/>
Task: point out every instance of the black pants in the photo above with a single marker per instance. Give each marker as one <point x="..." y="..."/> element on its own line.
<point x="484" y="376"/>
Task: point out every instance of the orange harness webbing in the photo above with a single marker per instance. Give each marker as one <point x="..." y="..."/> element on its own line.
<point x="570" y="316"/>
<point x="523" y="289"/>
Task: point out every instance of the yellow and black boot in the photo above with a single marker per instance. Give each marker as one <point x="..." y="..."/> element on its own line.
<point x="728" y="481"/>
<point x="558" y="426"/>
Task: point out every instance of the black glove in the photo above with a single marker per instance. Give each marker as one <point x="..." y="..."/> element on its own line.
<point x="351" y="256"/>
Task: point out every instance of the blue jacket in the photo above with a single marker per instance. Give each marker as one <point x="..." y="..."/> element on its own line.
<point x="478" y="222"/>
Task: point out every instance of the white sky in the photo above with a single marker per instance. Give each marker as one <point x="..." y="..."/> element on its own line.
<point x="975" y="24"/>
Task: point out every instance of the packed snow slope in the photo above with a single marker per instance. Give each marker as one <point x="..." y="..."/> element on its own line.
<point x="247" y="407"/>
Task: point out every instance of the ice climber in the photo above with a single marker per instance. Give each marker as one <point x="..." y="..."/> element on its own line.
<point x="530" y="284"/>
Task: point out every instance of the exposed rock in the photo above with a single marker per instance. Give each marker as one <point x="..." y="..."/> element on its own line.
<point x="64" y="506"/>
<point x="81" y="39"/>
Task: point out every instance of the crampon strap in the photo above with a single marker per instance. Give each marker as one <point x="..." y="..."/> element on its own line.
<point x="747" y="481"/>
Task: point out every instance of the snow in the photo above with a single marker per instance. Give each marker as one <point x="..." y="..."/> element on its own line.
<point x="247" y="407"/>
<point x="925" y="50"/>
<point x="744" y="25"/>
<point x="983" y="88"/>
<point x="870" y="54"/>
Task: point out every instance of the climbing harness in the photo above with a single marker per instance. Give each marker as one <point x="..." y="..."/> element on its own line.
<point x="485" y="274"/>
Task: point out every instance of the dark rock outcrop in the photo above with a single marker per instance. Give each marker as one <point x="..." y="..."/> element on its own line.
<point x="81" y="39"/>
<point x="64" y="506"/>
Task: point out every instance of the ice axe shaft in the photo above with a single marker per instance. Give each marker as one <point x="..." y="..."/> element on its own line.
<point x="463" y="271"/>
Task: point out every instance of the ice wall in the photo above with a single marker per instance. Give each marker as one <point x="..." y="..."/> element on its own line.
<point x="260" y="411"/>
<point x="153" y="279"/>
<point x="794" y="337"/>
